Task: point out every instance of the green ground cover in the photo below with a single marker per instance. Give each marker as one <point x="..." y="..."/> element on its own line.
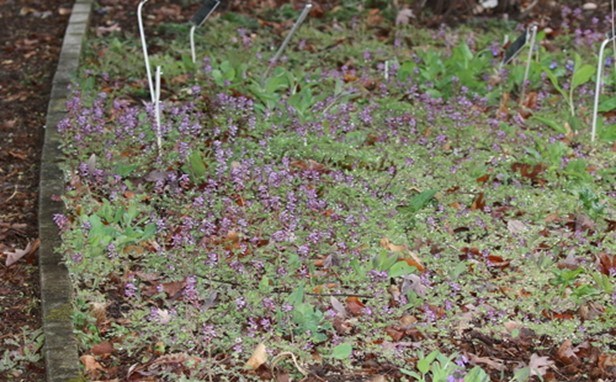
<point x="368" y="201"/>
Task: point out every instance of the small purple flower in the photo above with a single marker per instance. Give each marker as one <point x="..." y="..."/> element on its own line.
<point x="61" y="221"/>
<point x="240" y="303"/>
<point x="237" y="347"/>
<point x="130" y="290"/>
<point x="209" y="333"/>
<point x="268" y="303"/>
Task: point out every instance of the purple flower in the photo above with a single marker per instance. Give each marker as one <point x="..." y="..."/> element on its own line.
<point x="130" y="290"/>
<point x="209" y="333"/>
<point x="240" y="303"/>
<point x="61" y="221"/>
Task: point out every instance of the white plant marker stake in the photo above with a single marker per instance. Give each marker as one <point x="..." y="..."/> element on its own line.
<point x="533" y="37"/>
<point x="159" y="139"/>
<point x="598" y="86"/>
<point x="145" y="48"/>
<point x="195" y="25"/>
<point x="299" y="21"/>
<point x="192" y="44"/>
<point x="386" y="70"/>
<point x="613" y="33"/>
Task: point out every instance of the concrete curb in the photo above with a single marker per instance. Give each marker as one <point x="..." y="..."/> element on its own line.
<point x="60" y="350"/>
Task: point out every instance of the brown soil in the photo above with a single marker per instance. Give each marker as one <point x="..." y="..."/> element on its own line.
<point x="30" y="42"/>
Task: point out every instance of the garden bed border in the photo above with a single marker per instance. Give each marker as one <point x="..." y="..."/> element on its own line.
<point x="60" y="349"/>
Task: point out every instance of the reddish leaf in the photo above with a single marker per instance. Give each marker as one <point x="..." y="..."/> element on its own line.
<point x="530" y="172"/>
<point x="479" y="203"/>
<point x="484" y="178"/>
<point x="395" y="333"/>
<point x="607" y="264"/>
<point x="355" y="306"/>
<point x="104" y="348"/>
<point x="497" y="262"/>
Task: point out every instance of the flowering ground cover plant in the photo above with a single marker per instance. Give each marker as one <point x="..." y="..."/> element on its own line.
<point x="373" y="207"/>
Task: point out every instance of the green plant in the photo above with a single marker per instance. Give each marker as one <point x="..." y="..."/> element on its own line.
<point x="582" y="73"/>
<point x="307" y="318"/>
<point x="437" y="367"/>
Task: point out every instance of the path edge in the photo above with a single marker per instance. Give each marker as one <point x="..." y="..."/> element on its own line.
<point x="60" y="348"/>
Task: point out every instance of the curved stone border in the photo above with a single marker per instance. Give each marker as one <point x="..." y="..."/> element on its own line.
<point x="60" y="350"/>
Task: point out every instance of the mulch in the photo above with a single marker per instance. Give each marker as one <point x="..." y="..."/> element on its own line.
<point x="30" y="41"/>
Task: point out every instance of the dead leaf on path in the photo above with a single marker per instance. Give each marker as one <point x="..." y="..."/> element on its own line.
<point x="64" y="11"/>
<point x="489" y="362"/>
<point x="378" y="378"/>
<point x="13" y="257"/>
<point x="607" y="361"/>
<point x="90" y="364"/>
<point x="104" y="348"/>
<point x="539" y="365"/>
<point x="565" y="353"/>
<point x="24" y="11"/>
<point x="258" y="358"/>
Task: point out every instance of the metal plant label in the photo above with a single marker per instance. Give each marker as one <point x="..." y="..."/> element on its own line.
<point x="204" y="12"/>
<point x="515" y="48"/>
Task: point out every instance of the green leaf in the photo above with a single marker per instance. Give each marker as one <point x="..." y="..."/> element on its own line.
<point x="384" y="261"/>
<point x="297" y="297"/>
<point x="196" y="165"/>
<point x="476" y="375"/>
<point x="607" y="134"/>
<point x="342" y="351"/>
<point x="420" y="201"/>
<point x="401" y="268"/>
<point x="423" y="365"/>
<point x="264" y="284"/>
<point x="555" y="125"/>
<point x="522" y="375"/>
<point x="607" y="105"/>
<point x="554" y="81"/>
<point x="411" y="374"/>
<point x="582" y="75"/>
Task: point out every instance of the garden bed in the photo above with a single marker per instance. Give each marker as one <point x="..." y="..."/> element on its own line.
<point x="377" y="204"/>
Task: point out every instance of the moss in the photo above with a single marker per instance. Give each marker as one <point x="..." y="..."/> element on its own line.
<point x="62" y="313"/>
<point x="77" y="379"/>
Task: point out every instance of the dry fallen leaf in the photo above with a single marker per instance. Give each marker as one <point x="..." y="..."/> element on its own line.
<point x="90" y="363"/>
<point x="489" y="362"/>
<point x="516" y="227"/>
<point x="406" y="254"/>
<point x="103" y="348"/>
<point x="355" y="306"/>
<point x="258" y="358"/>
<point x="64" y="11"/>
<point x="338" y="307"/>
<point x="539" y="365"/>
<point x="13" y="257"/>
<point x="404" y="16"/>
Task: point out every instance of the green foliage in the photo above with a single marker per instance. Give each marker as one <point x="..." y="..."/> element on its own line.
<point x="442" y="76"/>
<point x="196" y="166"/>
<point x="582" y="73"/>
<point x="342" y="351"/>
<point x="437" y="367"/>
<point x="307" y="318"/>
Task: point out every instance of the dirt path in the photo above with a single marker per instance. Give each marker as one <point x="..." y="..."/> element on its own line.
<point x="30" y="42"/>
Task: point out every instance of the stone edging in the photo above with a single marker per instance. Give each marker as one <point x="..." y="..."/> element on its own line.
<point x="60" y="349"/>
